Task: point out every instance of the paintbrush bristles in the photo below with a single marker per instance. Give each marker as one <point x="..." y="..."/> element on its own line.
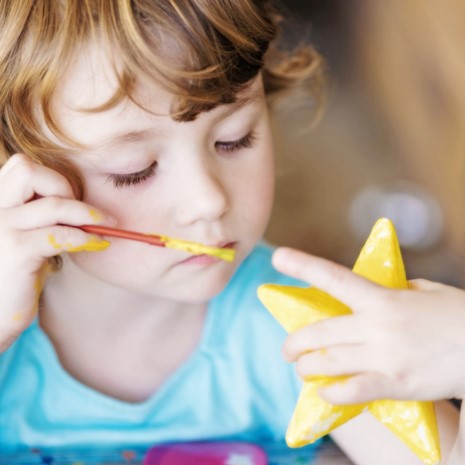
<point x="199" y="249"/>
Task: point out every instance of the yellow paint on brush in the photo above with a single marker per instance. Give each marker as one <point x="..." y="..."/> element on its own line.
<point x="94" y="244"/>
<point x="199" y="249"/>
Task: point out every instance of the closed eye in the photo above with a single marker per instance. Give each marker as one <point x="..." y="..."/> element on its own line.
<point x="131" y="179"/>
<point x="236" y="145"/>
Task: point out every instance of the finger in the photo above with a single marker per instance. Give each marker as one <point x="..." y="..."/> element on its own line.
<point x="47" y="242"/>
<point x="335" y="279"/>
<point x="357" y="389"/>
<point x="21" y="179"/>
<point x="49" y="211"/>
<point x="323" y="334"/>
<point x="423" y="285"/>
<point x="12" y="161"/>
<point x="335" y="361"/>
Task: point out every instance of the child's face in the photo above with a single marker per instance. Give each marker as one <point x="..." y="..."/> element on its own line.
<point x="210" y="181"/>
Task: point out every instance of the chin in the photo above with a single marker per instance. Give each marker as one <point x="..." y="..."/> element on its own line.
<point x="206" y="290"/>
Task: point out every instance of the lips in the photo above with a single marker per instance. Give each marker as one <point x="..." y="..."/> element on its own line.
<point x="225" y="245"/>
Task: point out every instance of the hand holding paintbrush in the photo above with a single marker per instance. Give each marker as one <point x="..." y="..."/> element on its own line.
<point x="194" y="248"/>
<point x="40" y="218"/>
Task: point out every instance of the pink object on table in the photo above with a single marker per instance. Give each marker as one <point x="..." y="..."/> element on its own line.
<point x="206" y="453"/>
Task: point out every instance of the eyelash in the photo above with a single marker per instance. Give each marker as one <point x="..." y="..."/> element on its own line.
<point x="131" y="179"/>
<point x="245" y="142"/>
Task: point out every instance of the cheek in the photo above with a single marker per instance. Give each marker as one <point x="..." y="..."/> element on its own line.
<point x="129" y="206"/>
<point x="265" y="196"/>
<point x="258" y="196"/>
<point x="125" y="264"/>
<point x="265" y="176"/>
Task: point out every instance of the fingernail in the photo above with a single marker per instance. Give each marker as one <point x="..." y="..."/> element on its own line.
<point x="278" y="256"/>
<point x="281" y="259"/>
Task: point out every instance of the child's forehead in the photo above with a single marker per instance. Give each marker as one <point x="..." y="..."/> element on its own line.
<point x="91" y="81"/>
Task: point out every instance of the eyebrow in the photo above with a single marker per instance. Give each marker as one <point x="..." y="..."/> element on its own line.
<point x="124" y="138"/>
<point x="120" y="140"/>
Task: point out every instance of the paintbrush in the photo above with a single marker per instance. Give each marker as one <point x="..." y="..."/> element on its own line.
<point x="194" y="248"/>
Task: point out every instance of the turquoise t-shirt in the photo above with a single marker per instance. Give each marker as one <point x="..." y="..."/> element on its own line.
<point x="235" y="385"/>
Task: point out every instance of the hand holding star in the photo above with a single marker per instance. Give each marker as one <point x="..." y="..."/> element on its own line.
<point x="354" y="357"/>
<point x="402" y="344"/>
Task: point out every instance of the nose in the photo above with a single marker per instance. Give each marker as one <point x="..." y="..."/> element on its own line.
<point x="205" y="196"/>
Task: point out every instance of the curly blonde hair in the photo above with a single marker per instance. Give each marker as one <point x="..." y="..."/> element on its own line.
<point x="203" y="51"/>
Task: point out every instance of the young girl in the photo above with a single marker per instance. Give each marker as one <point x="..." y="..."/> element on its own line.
<point x="150" y="116"/>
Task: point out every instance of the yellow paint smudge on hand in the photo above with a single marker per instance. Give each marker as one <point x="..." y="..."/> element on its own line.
<point x="94" y="244"/>
<point x="95" y="214"/>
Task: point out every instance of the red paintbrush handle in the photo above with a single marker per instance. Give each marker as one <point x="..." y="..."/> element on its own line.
<point x="123" y="234"/>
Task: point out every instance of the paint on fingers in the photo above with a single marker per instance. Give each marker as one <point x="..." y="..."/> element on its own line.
<point x="94" y="244"/>
<point x="97" y="217"/>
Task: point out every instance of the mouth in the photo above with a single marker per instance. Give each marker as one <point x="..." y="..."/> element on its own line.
<point x="225" y="245"/>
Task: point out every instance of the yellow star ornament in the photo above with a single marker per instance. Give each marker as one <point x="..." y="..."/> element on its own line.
<point x="414" y="422"/>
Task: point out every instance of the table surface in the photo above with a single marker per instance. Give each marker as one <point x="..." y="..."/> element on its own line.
<point x="277" y="454"/>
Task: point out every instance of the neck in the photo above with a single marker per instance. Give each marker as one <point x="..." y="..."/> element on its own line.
<point x="100" y="331"/>
<point x="72" y="297"/>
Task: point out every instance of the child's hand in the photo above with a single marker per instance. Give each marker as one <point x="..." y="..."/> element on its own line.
<point x="398" y="344"/>
<point x="33" y="201"/>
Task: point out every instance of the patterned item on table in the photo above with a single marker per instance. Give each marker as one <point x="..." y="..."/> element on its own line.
<point x="206" y="453"/>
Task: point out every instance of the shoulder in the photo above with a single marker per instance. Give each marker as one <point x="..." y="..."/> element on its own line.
<point x="24" y="372"/>
<point x="9" y="358"/>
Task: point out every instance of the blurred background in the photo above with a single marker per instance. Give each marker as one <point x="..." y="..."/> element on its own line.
<point x="391" y="141"/>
